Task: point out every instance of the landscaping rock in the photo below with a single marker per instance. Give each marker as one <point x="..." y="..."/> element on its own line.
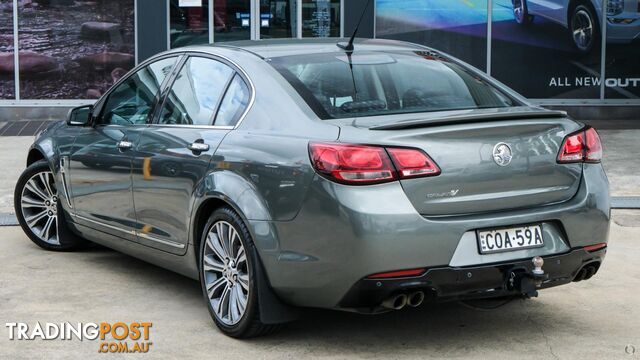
<point x="108" y="60"/>
<point x="101" y="31"/>
<point x="31" y="63"/>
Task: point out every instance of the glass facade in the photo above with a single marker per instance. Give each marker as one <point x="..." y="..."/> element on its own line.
<point x="232" y="20"/>
<point x="321" y="18"/>
<point x="278" y="19"/>
<point x="189" y="23"/>
<point x="551" y="50"/>
<point x="71" y="52"/>
<point x="7" y="76"/>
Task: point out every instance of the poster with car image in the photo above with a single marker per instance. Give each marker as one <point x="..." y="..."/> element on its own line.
<point x="7" y="84"/>
<point x="74" y="49"/>
<point x="458" y="27"/>
<point x="622" y="66"/>
<point x="548" y="49"/>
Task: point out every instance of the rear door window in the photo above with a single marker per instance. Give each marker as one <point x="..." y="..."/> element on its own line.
<point x="234" y="104"/>
<point x="196" y="92"/>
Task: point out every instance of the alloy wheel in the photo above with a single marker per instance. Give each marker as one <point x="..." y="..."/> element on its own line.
<point x="226" y="273"/>
<point x="582" y="29"/>
<point x="519" y="10"/>
<point x="39" y="205"/>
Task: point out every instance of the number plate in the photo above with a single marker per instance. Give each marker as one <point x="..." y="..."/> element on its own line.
<point x="510" y="239"/>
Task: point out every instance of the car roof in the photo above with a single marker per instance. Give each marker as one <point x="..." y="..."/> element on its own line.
<point x="273" y="48"/>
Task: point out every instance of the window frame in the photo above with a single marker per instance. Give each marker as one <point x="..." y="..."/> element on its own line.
<point x="237" y="70"/>
<point x="97" y="112"/>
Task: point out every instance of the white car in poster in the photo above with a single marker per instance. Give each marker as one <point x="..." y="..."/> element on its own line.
<point x="583" y="18"/>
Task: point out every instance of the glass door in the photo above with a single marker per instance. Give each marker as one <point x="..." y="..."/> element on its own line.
<point x="320" y="18"/>
<point x="278" y="19"/>
<point x="188" y="22"/>
<point x="231" y="20"/>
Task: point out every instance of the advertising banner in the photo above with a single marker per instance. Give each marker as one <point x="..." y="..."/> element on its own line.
<point x="623" y="50"/>
<point x="537" y="52"/>
<point x="458" y="27"/>
<point x="74" y="50"/>
<point x="544" y="49"/>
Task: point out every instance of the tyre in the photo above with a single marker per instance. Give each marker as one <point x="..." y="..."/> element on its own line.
<point x="228" y="271"/>
<point x="521" y="12"/>
<point x="585" y="30"/>
<point x="39" y="211"/>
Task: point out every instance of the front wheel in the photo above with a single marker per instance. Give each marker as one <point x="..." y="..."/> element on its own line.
<point x="585" y="31"/>
<point x="228" y="268"/>
<point x="39" y="211"/>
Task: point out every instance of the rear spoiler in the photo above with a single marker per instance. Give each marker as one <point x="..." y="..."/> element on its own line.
<point x="469" y="118"/>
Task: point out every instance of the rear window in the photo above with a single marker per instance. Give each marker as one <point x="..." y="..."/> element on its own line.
<point x="382" y="83"/>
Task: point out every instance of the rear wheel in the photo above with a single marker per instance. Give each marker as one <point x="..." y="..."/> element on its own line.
<point x="39" y="211"/>
<point x="228" y="270"/>
<point x="521" y="12"/>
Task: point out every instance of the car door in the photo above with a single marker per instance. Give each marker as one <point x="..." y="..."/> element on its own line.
<point x="206" y="98"/>
<point x="555" y="10"/>
<point x="99" y="167"/>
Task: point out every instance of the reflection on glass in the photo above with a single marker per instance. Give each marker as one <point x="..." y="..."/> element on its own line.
<point x="189" y="25"/>
<point x="320" y="18"/>
<point x="196" y="92"/>
<point x="235" y="102"/>
<point x="7" y="85"/>
<point x="232" y="20"/>
<point x="277" y="19"/>
<point x="73" y="52"/>
<point x="131" y="102"/>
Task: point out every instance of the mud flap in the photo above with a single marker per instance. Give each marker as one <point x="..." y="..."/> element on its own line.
<point x="272" y="309"/>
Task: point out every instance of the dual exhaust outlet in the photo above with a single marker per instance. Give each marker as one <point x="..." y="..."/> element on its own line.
<point x="398" y="301"/>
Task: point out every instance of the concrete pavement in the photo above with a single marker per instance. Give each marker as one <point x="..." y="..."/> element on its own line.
<point x="595" y="319"/>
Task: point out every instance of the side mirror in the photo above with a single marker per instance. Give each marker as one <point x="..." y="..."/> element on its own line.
<point x="79" y="116"/>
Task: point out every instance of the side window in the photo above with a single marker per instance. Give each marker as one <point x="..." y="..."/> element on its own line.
<point x="196" y="92"/>
<point x="130" y="103"/>
<point x="235" y="102"/>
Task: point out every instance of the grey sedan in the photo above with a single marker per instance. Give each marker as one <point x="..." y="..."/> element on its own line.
<point x="297" y="173"/>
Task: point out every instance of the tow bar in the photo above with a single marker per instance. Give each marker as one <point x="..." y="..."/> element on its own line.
<point x="527" y="282"/>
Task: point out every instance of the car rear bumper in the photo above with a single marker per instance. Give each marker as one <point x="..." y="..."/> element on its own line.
<point x="488" y="281"/>
<point x="343" y="234"/>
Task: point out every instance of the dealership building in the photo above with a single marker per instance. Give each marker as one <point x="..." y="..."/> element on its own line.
<point x="581" y="56"/>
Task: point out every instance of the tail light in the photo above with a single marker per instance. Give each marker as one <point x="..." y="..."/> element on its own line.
<point x="583" y="146"/>
<point x="365" y="164"/>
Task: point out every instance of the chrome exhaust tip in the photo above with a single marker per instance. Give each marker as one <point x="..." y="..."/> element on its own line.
<point x="395" y="302"/>
<point x="415" y="299"/>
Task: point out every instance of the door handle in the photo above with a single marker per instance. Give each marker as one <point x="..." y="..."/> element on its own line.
<point x="198" y="147"/>
<point x="124" y="145"/>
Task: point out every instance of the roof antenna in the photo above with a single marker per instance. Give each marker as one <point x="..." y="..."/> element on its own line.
<point x="349" y="46"/>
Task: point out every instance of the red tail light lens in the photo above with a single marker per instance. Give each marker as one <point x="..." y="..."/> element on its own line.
<point x="413" y="163"/>
<point x="593" y="146"/>
<point x="364" y="164"/>
<point x="583" y="146"/>
<point x="352" y="164"/>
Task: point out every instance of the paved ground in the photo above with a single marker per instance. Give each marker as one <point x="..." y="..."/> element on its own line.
<point x="595" y="319"/>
